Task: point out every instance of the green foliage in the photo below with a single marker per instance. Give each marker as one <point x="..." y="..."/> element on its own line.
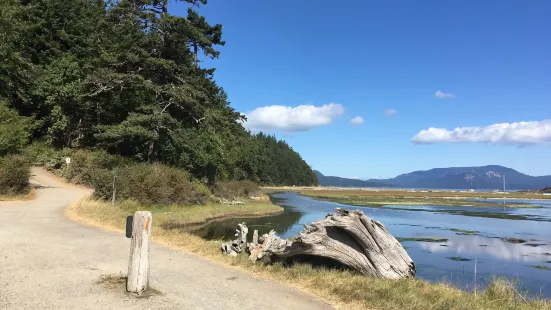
<point x="15" y="172"/>
<point x="125" y="76"/>
<point x="150" y="184"/>
<point x="14" y="130"/>
<point x="141" y="182"/>
<point x="89" y="168"/>
<point x="229" y="189"/>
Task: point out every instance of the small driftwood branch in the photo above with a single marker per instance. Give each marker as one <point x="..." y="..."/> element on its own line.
<point x="236" y="246"/>
<point x="230" y="202"/>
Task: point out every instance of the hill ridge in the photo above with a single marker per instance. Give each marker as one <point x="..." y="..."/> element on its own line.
<point x="470" y="177"/>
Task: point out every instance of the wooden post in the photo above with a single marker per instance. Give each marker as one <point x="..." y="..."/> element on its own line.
<point x="255" y="237"/>
<point x="475" y="261"/>
<point x="138" y="265"/>
<point x="114" y="190"/>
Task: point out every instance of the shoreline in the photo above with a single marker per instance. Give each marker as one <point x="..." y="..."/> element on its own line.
<point x="341" y="287"/>
<point x="452" y="194"/>
<point x="379" y="198"/>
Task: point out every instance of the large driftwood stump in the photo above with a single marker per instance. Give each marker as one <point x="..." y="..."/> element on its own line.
<point x="347" y="237"/>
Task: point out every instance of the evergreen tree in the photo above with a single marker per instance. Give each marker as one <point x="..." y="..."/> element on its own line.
<point x="125" y="76"/>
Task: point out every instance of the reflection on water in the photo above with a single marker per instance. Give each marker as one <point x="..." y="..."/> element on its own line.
<point x="452" y="261"/>
<point x="475" y="246"/>
<point x="225" y="229"/>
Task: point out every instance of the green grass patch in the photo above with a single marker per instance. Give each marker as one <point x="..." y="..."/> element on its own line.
<point x="460" y="259"/>
<point x="534" y="245"/>
<point x="514" y="240"/>
<point x="394" y="197"/>
<point x="541" y="267"/>
<point x="467" y="232"/>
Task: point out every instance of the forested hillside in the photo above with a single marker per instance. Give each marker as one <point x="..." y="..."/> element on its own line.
<point x="125" y="76"/>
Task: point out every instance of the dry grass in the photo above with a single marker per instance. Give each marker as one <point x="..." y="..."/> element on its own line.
<point x="343" y="289"/>
<point x="376" y="192"/>
<point x="22" y="197"/>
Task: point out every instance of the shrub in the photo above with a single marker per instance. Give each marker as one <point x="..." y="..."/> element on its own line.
<point x="227" y="189"/>
<point x="87" y="166"/>
<point x="144" y="183"/>
<point x="84" y="164"/>
<point x="15" y="172"/>
<point x="150" y="184"/>
<point x="14" y="130"/>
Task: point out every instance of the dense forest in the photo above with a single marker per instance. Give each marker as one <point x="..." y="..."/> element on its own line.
<point x="126" y="77"/>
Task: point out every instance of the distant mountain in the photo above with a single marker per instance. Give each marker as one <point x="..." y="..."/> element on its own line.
<point x="485" y="177"/>
<point x="344" y="182"/>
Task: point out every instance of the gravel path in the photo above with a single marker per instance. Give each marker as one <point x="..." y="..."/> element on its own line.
<point x="49" y="262"/>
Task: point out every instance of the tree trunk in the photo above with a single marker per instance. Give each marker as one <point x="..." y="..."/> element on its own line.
<point x="347" y="237"/>
<point x="165" y="7"/>
<point x="152" y="151"/>
<point x="195" y="49"/>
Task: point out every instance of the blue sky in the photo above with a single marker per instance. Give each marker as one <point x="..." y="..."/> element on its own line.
<point x="304" y="69"/>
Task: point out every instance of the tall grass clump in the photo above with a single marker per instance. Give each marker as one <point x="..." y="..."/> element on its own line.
<point x="15" y="171"/>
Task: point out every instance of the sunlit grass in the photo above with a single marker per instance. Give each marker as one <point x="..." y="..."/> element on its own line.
<point x="379" y="198"/>
<point x="343" y="289"/>
<point x="30" y="195"/>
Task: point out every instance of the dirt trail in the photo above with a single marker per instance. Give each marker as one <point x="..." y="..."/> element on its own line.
<point x="49" y="262"/>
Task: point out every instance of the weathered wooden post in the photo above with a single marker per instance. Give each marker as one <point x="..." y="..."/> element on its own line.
<point x="138" y="265"/>
<point x="114" y="190"/>
<point x="255" y="237"/>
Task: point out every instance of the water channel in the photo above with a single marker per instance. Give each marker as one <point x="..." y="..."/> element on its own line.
<point x="511" y="242"/>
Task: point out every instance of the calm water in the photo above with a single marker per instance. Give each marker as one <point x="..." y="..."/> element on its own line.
<point x="494" y="256"/>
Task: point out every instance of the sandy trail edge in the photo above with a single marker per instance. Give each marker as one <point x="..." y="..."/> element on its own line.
<point x="50" y="262"/>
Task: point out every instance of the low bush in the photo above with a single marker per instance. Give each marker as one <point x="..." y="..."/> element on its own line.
<point x="86" y="166"/>
<point x="150" y="184"/>
<point x="142" y="182"/>
<point x="14" y="130"/>
<point x="227" y="189"/>
<point x="15" y="172"/>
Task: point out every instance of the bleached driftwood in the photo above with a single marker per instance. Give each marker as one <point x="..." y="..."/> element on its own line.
<point x="230" y="202"/>
<point x="236" y="246"/>
<point x="255" y="236"/>
<point x="138" y="265"/>
<point x="347" y="237"/>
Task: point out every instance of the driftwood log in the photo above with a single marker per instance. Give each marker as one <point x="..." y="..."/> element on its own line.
<point x="234" y="201"/>
<point x="347" y="237"/>
<point x="236" y="246"/>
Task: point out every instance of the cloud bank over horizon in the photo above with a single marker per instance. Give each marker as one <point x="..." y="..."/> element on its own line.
<point x="292" y="119"/>
<point x="518" y="133"/>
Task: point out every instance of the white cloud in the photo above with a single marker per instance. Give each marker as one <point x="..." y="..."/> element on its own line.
<point x="442" y="95"/>
<point x="390" y="112"/>
<point x="358" y="120"/>
<point x="520" y="133"/>
<point x="292" y="119"/>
